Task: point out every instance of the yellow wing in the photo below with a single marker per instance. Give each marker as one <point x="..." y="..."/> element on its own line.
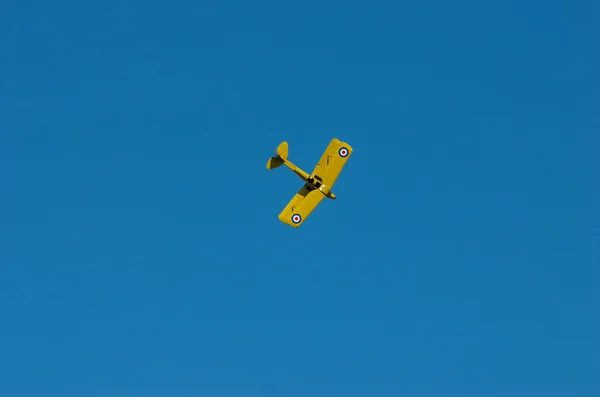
<point x="301" y="206"/>
<point x="332" y="162"/>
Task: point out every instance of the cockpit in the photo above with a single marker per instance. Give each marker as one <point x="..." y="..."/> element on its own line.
<point x="315" y="181"/>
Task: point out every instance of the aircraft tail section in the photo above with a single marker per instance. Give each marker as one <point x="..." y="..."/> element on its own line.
<point x="274" y="162"/>
<point x="282" y="150"/>
<point x="280" y="157"/>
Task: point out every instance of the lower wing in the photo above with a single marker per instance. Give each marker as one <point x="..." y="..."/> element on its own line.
<point x="332" y="162"/>
<point x="301" y="206"/>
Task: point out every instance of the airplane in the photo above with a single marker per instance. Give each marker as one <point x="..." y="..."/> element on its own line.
<point x="317" y="185"/>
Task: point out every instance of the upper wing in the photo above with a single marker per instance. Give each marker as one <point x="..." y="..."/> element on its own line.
<point x="301" y="206"/>
<point x="332" y="161"/>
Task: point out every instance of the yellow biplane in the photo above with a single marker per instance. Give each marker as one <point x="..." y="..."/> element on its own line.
<point x="317" y="185"/>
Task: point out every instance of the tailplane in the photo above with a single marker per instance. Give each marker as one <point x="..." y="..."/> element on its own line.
<point x="282" y="150"/>
<point x="279" y="157"/>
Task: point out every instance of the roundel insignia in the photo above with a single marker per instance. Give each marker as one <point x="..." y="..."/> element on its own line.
<point x="296" y="218"/>
<point x="343" y="152"/>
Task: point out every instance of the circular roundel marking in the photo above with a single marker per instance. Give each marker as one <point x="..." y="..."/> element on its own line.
<point x="343" y="152"/>
<point x="296" y="218"/>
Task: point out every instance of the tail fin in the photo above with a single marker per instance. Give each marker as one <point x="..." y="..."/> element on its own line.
<point x="278" y="158"/>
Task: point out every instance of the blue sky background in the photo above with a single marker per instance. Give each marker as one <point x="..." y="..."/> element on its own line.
<point x="140" y="250"/>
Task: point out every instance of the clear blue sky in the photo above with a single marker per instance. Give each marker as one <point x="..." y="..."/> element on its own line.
<point x="140" y="250"/>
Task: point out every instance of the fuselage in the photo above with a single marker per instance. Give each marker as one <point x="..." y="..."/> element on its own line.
<point x="312" y="183"/>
